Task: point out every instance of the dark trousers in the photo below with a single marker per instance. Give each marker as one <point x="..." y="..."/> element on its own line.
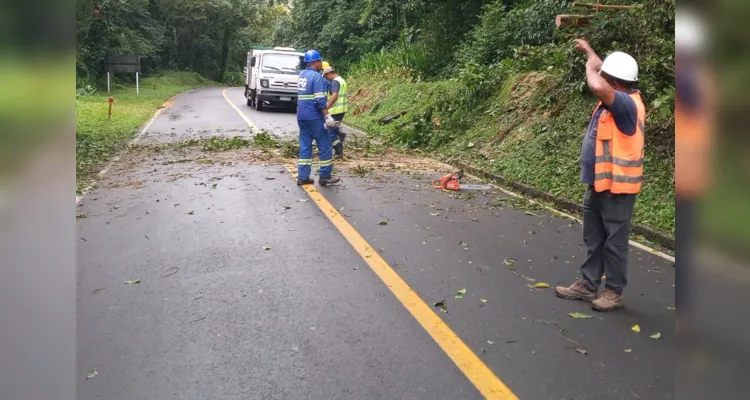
<point x="684" y="237"/>
<point x="606" y="233"/>
<point x="337" y="139"/>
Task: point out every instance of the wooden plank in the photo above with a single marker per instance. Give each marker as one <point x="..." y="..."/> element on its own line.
<point x="565" y="20"/>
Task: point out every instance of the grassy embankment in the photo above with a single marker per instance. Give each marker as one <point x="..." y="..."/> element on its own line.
<point x="529" y="130"/>
<point x="99" y="138"/>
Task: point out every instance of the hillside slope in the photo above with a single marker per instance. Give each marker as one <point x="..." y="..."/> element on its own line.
<point x="528" y="129"/>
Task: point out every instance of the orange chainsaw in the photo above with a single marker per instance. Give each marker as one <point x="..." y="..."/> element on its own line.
<point x="453" y="182"/>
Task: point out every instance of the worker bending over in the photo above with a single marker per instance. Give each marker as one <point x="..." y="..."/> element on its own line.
<point x="326" y="83"/>
<point x="612" y="167"/>
<point x="338" y="105"/>
<point x="313" y="119"/>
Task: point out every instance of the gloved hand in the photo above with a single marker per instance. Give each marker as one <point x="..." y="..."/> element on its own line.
<point x="330" y="122"/>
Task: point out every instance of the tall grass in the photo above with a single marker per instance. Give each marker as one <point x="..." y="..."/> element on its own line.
<point x="402" y="55"/>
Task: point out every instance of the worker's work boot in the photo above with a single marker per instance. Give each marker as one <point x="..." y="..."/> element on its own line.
<point x="608" y="301"/>
<point x="576" y="291"/>
<point x="305" y="182"/>
<point x="328" y="181"/>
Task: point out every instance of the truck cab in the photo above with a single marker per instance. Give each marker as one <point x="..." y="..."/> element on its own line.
<point x="271" y="76"/>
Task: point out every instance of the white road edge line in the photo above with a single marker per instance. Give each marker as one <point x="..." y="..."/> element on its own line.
<point x="135" y="140"/>
<point x="569" y="216"/>
<point x="633" y="243"/>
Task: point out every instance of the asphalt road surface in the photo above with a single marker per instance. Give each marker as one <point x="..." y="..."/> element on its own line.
<point x="253" y="288"/>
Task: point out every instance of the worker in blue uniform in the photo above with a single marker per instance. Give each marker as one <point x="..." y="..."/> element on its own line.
<point x="313" y="119"/>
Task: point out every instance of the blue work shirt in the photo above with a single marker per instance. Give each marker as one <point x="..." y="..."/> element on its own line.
<point x="625" y="113"/>
<point x="327" y="85"/>
<point x="687" y="92"/>
<point x="311" y="95"/>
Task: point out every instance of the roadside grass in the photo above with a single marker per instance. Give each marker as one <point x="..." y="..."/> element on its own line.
<point x="99" y="138"/>
<point x="529" y="130"/>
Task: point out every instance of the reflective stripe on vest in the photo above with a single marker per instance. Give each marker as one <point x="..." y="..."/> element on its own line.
<point x="341" y="105"/>
<point x="619" y="159"/>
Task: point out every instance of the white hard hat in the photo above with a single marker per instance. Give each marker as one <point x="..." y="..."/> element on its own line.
<point x="689" y="32"/>
<point x="621" y="66"/>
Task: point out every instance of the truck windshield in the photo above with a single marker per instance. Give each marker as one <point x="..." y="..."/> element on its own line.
<point x="281" y="63"/>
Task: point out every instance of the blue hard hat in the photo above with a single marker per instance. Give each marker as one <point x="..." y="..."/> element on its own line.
<point x="312" y="56"/>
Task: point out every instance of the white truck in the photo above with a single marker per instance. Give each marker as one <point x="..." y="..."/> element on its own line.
<point x="271" y="76"/>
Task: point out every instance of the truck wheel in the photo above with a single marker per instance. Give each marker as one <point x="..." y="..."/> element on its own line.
<point x="249" y="102"/>
<point x="258" y="105"/>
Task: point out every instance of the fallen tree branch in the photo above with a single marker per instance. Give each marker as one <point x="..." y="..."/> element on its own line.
<point x="601" y="6"/>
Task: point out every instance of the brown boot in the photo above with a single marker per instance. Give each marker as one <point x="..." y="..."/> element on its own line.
<point x="608" y="301"/>
<point x="576" y="291"/>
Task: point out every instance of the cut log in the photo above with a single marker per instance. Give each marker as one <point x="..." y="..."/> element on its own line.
<point x="565" y="20"/>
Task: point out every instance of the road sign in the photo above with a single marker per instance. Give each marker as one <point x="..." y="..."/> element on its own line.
<point x="123" y="64"/>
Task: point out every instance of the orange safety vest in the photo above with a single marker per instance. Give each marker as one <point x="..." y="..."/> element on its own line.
<point x="692" y="147"/>
<point x="619" y="157"/>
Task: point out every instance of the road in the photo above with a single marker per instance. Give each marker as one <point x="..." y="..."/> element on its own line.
<point x="253" y="288"/>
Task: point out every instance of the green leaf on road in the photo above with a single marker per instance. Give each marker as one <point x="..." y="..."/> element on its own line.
<point x="460" y="294"/>
<point x="509" y="261"/>
<point x="490" y="342"/>
<point x="670" y="308"/>
<point x="92" y="373"/>
<point x="577" y="315"/>
<point x="266" y="247"/>
<point x="636" y="328"/>
<point x="628" y="350"/>
<point x="484" y="300"/>
<point x="383" y="223"/>
<point x="541" y="285"/>
<point x="656" y="335"/>
<point x="440" y="303"/>
<point x="530" y="213"/>
<point x="434" y="214"/>
<point x="133" y="281"/>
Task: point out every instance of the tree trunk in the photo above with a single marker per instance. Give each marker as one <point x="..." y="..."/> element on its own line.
<point x="224" y="52"/>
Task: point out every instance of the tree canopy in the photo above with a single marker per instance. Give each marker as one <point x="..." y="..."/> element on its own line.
<point x="210" y="37"/>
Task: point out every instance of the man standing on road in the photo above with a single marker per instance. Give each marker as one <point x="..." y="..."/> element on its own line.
<point x="338" y="105"/>
<point x="612" y="167"/>
<point x="695" y="111"/>
<point x="313" y="119"/>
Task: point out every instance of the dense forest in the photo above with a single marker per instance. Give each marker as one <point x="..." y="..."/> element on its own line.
<point x="209" y="37"/>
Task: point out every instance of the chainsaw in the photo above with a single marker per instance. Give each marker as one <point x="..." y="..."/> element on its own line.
<point x="453" y="182"/>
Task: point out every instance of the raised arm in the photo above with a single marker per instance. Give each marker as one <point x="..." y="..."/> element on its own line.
<point x="598" y="85"/>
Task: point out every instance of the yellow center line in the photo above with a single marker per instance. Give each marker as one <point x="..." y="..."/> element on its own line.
<point x="247" y="120"/>
<point x="489" y="385"/>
